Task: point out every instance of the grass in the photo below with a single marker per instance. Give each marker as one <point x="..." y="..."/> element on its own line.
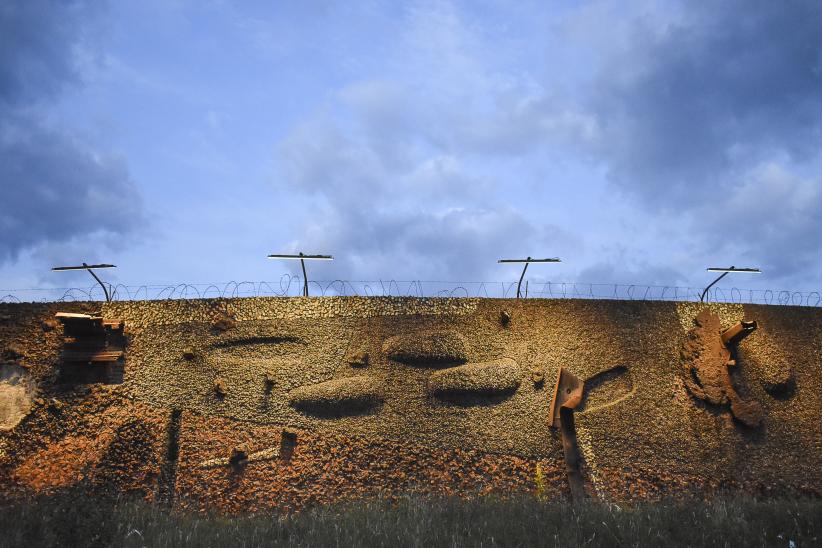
<point x="73" y="519"/>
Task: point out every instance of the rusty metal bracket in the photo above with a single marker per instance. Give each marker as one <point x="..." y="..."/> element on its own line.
<point x="568" y="390"/>
<point x="738" y="331"/>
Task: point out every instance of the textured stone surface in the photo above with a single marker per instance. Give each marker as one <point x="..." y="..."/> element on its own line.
<point x="487" y="378"/>
<point x="426" y="349"/>
<point x="165" y="434"/>
<point x="338" y="396"/>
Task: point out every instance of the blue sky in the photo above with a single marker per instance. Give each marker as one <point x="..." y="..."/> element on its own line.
<point x="640" y="141"/>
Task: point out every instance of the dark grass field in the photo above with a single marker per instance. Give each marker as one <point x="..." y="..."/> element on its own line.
<point x="72" y="519"/>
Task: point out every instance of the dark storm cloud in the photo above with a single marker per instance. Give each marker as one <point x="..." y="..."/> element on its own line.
<point x="38" y="47"/>
<point x="716" y="117"/>
<point x="733" y="81"/>
<point x="54" y="187"/>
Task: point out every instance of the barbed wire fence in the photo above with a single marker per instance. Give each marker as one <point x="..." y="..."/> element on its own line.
<point x="292" y="286"/>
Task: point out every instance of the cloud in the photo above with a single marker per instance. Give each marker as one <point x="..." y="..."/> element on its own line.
<point x="711" y="113"/>
<point x="405" y="163"/>
<point x="682" y="105"/>
<point x="704" y="118"/>
<point x="625" y="270"/>
<point x="771" y="218"/>
<point x="41" y="44"/>
<point x="56" y="188"/>
<point x="423" y="217"/>
<point x="452" y="245"/>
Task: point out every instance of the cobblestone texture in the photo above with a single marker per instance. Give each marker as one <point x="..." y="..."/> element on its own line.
<point x="641" y="433"/>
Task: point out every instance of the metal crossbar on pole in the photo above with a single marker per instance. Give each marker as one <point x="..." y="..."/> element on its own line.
<point x="90" y="268"/>
<point x="725" y="272"/>
<point x="527" y="261"/>
<point x="302" y="258"/>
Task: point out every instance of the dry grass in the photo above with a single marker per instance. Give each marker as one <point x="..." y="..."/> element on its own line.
<point x="72" y="519"/>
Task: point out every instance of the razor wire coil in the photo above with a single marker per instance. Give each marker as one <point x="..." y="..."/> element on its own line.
<point x="292" y="286"/>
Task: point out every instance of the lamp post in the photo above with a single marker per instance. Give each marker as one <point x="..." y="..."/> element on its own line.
<point x="90" y="268"/>
<point x="302" y="259"/>
<point x="725" y="272"/>
<point x="527" y="261"/>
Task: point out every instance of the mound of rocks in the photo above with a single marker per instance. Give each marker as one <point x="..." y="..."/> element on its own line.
<point x="338" y="396"/>
<point x="485" y="378"/>
<point x="426" y="348"/>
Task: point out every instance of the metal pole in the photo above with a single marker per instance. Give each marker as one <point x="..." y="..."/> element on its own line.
<point x="570" y="449"/>
<point x="702" y="297"/>
<point x="105" y="291"/>
<point x="303" y="257"/>
<point x="305" y="277"/>
<point x="519" y="285"/>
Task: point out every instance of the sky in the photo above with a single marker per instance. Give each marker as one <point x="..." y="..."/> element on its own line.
<point x="184" y="140"/>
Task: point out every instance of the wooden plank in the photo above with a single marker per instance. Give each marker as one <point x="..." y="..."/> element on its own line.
<point x="84" y="332"/>
<point x="86" y="347"/>
<point x="73" y="316"/>
<point x="102" y="356"/>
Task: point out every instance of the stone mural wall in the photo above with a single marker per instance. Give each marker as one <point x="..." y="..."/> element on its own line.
<point x="247" y="404"/>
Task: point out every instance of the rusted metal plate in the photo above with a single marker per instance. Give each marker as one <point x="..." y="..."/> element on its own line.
<point x="568" y="391"/>
<point x="738" y="331"/>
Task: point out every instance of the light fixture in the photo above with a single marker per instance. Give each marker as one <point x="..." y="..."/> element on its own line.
<point x="725" y="272"/>
<point x="527" y="261"/>
<point x="302" y="259"/>
<point x="90" y="268"/>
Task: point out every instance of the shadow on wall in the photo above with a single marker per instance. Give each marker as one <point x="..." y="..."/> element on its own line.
<point x="606" y="388"/>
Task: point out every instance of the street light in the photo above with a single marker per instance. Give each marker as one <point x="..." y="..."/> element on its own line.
<point x="527" y="261"/>
<point x="302" y="259"/>
<point x="90" y="268"/>
<point x="725" y="272"/>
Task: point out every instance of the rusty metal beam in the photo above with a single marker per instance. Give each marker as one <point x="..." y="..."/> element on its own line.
<point x="567" y="395"/>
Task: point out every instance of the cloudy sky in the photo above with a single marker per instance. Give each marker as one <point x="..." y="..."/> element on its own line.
<point x="641" y="140"/>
